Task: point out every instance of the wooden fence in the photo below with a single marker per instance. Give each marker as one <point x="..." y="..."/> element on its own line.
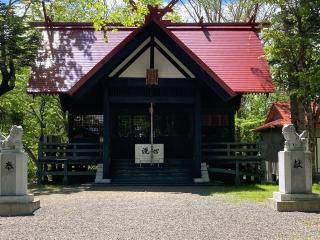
<point x="68" y="159"/>
<point x="243" y="160"/>
<point x="60" y="161"/>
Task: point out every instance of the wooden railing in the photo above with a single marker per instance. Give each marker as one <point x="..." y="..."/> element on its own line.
<point x="240" y="159"/>
<point x="67" y="159"/>
<point x="243" y="160"/>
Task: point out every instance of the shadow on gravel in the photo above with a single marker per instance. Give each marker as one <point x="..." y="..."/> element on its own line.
<point x="39" y="190"/>
<point x="199" y="190"/>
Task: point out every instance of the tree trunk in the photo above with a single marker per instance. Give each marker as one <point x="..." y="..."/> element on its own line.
<point x="296" y="106"/>
<point x="8" y="77"/>
<point x="5" y="86"/>
<point x="30" y="154"/>
<point x="312" y="112"/>
<point x="297" y="114"/>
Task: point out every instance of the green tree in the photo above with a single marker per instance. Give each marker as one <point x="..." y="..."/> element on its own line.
<point x="101" y="12"/>
<point x="40" y="115"/>
<point x="213" y="11"/>
<point x="294" y="53"/>
<point x="252" y="114"/>
<point x="18" y="44"/>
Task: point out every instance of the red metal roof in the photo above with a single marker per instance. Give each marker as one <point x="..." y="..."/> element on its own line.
<point x="68" y="56"/>
<point x="235" y="56"/>
<point x="70" y="53"/>
<point x="278" y="116"/>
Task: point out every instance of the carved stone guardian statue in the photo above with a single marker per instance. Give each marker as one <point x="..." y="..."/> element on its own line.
<point x="295" y="175"/>
<point x="14" y="197"/>
<point x="293" y="141"/>
<point x="13" y="141"/>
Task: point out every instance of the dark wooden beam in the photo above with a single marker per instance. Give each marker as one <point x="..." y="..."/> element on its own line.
<point x="163" y="82"/>
<point x="197" y="134"/>
<point x="182" y="100"/>
<point x="152" y="52"/>
<point x="106" y="135"/>
<point x="70" y="124"/>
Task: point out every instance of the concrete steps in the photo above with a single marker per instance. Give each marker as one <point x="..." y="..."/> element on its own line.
<point x="175" y="171"/>
<point x="172" y="172"/>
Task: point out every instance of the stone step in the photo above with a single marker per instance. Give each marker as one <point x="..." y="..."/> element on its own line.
<point x="150" y="168"/>
<point x="151" y="176"/>
<point x="151" y="180"/>
<point x="122" y="173"/>
<point x="155" y="163"/>
<point x="169" y="162"/>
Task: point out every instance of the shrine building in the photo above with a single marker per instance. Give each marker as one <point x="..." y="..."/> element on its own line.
<point x="148" y="103"/>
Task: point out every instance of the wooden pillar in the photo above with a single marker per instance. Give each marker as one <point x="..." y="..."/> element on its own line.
<point x="70" y="125"/>
<point x="39" y="163"/>
<point x="197" y="134"/>
<point x="237" y="177"/>
<point x="106" y="135"/>
<point x="65" y="172"/>
<point x="232" y="125"/>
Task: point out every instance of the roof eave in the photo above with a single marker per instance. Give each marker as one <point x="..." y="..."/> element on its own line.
<point x="108" y="57"/>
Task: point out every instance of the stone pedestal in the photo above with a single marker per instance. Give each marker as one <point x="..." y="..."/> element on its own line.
<point x="13" y="173"/>
<point x="295" y="172"/>
<point x="14" y="197"/>
<point x="204" y="175"/>
<point x="283" y="202"/>
<point x="295" y="183"/>
<point x="99" y="176"/>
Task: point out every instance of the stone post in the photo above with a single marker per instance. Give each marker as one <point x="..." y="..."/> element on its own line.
<point x="14" y="197"/>
<point x="295" y="175"/>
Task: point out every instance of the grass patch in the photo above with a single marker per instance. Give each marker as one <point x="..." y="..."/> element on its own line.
<point x="316" y="188"/>
<point x="251" y="193"/>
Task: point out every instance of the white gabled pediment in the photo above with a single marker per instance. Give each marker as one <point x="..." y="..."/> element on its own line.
<point x="138" y="68"/>
<point x="166" y="69"/>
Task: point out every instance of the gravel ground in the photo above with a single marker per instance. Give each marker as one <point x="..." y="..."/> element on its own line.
<point x="154" y="213"/>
